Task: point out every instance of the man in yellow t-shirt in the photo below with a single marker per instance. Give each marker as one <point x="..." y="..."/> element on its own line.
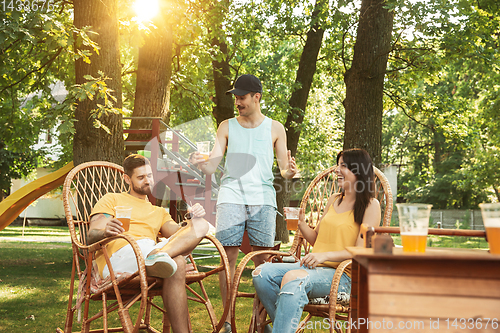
<point x="163" y="260"/>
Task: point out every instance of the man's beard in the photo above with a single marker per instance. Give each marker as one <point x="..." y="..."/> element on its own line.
<point x="145" y="190"/>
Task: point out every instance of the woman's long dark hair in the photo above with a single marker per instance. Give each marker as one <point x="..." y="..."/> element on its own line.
<point x="360" y="163"/>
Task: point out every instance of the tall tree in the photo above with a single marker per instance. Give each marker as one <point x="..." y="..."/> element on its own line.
<point x="298" y="103"/>
<point x="365" y="79"/>
<point x="154" y="72"/>
<point x="224" y="103"/>
<point x="104" y="142"/>
<point x="216" y="15"/>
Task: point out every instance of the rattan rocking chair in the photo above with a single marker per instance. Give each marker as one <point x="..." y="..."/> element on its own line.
<point x="83" y="187"/>
<point x="314" y="200"/>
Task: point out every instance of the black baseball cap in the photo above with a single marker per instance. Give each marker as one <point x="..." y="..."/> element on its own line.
<point x="245" y="84"/>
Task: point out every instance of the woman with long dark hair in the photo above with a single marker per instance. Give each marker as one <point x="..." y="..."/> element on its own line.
<point x="285" y="288"/>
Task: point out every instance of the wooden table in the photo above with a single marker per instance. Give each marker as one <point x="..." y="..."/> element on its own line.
<point x="443" y="290"/>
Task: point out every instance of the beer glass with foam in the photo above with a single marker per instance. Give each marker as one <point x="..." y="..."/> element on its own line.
<point x="203" y="148"/>
<point x="123" y="214"/>
<point x="491" y="221"/>
<point x="414" y="226"/>
<point x="292" y="217"/>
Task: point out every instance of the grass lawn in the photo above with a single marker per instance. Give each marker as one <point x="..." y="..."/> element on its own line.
<point x="35" y="274"/>
<point x="451" y="241"/>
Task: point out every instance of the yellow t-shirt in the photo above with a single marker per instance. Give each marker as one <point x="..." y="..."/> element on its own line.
<point x="145" y="222"/>
<point x="336" y="232"/>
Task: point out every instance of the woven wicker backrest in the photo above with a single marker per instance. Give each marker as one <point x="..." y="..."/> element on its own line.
<point x="83" y="187"/>
<point x="321" y="188"/>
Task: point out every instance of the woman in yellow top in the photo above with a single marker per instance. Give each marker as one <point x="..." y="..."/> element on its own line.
<point x="285" y="288"/>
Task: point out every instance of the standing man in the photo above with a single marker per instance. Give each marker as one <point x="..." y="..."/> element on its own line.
<point x="164" y="260"/>
<point x="247" y="199"/>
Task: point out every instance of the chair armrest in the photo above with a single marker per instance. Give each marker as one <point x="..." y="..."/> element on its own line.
<point x="135" y="247"/>
<point x="224" y="260"/>
<point x="335" y="285"/>
<point x="272" y="254"/>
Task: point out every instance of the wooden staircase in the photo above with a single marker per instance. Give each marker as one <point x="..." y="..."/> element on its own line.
<point x="184" y="181"/>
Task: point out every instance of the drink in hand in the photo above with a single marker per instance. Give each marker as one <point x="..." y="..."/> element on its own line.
<point x="292" y="224"/>
<point x="204" y="149"/>
<point x="292" y="217"/>
<point x="123" y="214"/>
<point x="125" y="222"/>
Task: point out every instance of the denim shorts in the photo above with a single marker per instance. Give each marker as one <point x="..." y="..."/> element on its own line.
<point x="232" y="220"/>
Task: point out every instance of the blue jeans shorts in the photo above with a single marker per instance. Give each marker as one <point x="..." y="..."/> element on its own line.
<point x="232" y="220"/>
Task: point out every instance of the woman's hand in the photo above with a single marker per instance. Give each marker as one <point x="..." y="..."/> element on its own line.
<point x="312" y="260"/>
<point x="302" y="216"/>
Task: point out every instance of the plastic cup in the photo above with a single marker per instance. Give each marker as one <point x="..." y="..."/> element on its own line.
<point x="203" y="148"/>
<point x="491" y="221"/>
<point x="414" y="226"/>
<point x="292" y="217"/>
<point x="123" y="214"/>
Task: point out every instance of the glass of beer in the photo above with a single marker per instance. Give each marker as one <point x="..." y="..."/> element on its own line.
<point x="203" y="148"/>
<point x="123" y="213"/>
<point x="414" y="226"/>
<point x="491" y="221"/>
<point x="292" y="217"/>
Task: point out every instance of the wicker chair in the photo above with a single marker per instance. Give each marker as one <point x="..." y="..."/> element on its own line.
<point x="83" y="187"/>
<point x="314" y="200"/>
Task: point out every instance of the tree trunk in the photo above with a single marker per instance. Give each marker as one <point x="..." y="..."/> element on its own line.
<point x="298" y="102"/>
<point x="224" y="103"/>
<point x="497" y="193"/>
<point x="154" y="72"/>
<point x="365" y="79"/>
<point x="92" y="143"/>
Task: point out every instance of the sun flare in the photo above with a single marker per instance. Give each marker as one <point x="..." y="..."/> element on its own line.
<point x="146" y="9"/>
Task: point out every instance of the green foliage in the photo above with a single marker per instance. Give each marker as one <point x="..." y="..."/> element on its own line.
<point x="442" y="100"/>
<point x="442" y="109"/>
<point x="36" y="53"/>
<point x="96" y="88"/>
<point x="14" y="165"/>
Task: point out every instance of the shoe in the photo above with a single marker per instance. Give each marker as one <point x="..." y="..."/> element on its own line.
<point x="160" y="265"/>
<point x="226" y="328"/>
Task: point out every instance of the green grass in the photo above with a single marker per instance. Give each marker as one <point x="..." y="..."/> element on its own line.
<point x="34" y="281"/>
<point x="35" y="275"/>
<point x="36" y="233"/>
<point x="451" y="242"/>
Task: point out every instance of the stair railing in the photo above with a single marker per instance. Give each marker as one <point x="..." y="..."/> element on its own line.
<point x="158" y="146"/>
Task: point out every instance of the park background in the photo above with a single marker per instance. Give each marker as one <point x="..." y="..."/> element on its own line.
<point x="415" y="82"/>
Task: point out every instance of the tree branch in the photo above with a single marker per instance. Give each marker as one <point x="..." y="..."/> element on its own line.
<point x="394" y="100"/>
<point x="48" y="62"/>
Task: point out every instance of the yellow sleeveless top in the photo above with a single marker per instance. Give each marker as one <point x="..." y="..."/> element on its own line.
<point x="336" y="232"/>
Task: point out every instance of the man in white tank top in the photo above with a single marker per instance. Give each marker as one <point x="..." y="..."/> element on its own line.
<point x="247" y="199"/>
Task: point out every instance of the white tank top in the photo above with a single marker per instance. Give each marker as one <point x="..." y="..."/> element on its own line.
<point x="248" y="175"/>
